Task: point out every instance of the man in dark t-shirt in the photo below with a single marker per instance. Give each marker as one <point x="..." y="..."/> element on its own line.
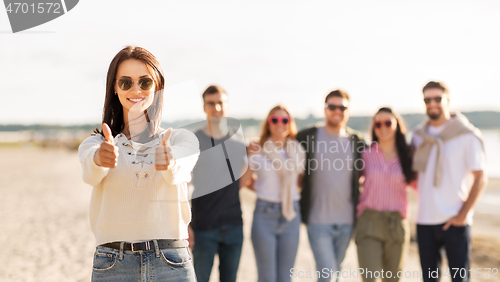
<point x="216" y="225"/>
<point x="214" y="209"/>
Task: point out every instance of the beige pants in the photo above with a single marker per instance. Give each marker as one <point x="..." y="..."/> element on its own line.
<point x="382" y="240"/>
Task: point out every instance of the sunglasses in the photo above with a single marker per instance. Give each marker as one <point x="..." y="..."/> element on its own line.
<point x="277" y="119"/>
<point x="436" y="99"/>
<point x="125" y="83"/>
<point x="332" y="107"/>
<point x="213" y="104"/>
<point x="378" y="124"/>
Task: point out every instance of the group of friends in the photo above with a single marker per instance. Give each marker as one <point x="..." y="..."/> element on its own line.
<point x="325" y="176"/>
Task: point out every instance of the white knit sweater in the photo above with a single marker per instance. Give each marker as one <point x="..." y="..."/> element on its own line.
<point x="134" y="201"/>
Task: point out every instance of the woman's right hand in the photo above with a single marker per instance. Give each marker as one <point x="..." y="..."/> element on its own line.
<point x="253" y="148"/>
<point x="107" y="154"/>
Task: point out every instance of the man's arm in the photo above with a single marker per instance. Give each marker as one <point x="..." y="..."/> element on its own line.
<point x="301" y="136"/>
<point x="477" y="189"/>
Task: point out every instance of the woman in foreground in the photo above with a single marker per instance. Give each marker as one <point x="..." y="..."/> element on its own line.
<point x="139" y="210"/>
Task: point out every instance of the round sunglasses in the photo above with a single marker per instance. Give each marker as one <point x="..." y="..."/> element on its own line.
<point x="333" y="107"/>
<point x="277" y="119"/>
<point x="436" y="99"/>
<point x="378" y="124"/>
<point x="125" y="83"/>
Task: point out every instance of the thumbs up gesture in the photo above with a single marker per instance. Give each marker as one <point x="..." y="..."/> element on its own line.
<point x="163" y="154"/>
<point x="107" y="154"/>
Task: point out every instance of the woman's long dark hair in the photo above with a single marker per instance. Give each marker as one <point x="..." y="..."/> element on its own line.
<point x="113" y="109"/>
<point x="405" y="151"/>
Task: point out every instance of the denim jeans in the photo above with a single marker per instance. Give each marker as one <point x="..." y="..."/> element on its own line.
<point x="329" y="244"/>
<point x="112" y="265"/>
<point x="275" y="241"/>
<point x="227" y="242"/>
<point x="457" y="244"/>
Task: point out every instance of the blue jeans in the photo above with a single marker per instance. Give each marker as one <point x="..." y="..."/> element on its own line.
<point x="112" y="265"/>
<point x="457" y="244"/>
<point x="275" y="241"/>
<point x="329" y="244"/>
<point x="227" y="242"/>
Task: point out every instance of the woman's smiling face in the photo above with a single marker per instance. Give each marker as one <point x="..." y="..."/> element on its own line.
<point x="134" y="99"/>
<point x="388" y="126"/>
<point x="279" y="129"/>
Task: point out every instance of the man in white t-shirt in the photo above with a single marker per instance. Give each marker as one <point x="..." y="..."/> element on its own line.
<point x="451" y="162"/>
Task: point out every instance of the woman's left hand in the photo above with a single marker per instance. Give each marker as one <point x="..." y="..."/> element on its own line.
<point x="164" y="159"/>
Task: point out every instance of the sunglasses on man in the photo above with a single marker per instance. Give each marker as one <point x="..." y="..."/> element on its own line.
<point x="333" y="107"/>
<point x="436" y="99"/>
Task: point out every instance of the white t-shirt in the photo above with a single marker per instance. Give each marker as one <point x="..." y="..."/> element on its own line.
<point x="268" y="185"/>
<point x="461" y="156"/>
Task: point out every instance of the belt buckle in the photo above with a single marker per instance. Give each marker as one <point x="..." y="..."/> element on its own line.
<point x="132" y="246"/>
<point x="147" y="244"/>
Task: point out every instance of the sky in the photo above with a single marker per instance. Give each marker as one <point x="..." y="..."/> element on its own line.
<point x="263" y="53"/>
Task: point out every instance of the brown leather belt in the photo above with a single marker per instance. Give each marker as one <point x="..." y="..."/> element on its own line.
<point x="148" y="245"/>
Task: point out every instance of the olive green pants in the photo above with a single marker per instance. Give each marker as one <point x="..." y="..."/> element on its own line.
<point x="382" y="240"/>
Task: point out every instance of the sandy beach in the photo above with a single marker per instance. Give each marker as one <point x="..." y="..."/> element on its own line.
<point x="46" y="235"/>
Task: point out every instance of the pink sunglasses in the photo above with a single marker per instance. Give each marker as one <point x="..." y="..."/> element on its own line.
<point x="277" y="119"/>
<point x="378" y="124"/>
